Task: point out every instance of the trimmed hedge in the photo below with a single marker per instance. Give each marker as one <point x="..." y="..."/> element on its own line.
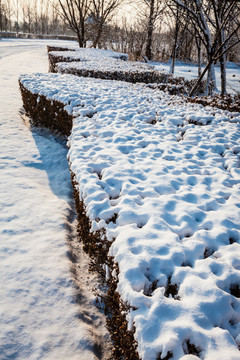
<point x="46" y="113"/>
<point x="166" y="82"/>
<point x="53" y="60"/>
<point x="51" y="114"/>
<point x="58" y="48"/>
<point x="228" y="102"/>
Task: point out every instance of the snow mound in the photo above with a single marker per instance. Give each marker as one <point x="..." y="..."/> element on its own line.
<point x="162" y="177"/>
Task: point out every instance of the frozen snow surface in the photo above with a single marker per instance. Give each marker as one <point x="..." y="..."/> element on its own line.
<point x="162" y="177"/>
<point x="40" y="317"/>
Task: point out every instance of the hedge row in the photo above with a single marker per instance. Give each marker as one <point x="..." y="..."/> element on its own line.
<point x="181" y="86"/>
<point x="51" y="114"/>
<point x="228" y="102"/>
<point x="46" y="113"/>
<point x="53" y="60"/>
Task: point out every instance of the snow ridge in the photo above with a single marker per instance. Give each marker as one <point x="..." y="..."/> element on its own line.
<point x="162" y="177"/>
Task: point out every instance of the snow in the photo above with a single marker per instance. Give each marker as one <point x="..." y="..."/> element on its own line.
<point x="190" y="71"/>
<point x="39" y="312"/>
<point x="168" y="171"/>
<point x="93" y="59"/>
<point x="89" y="54"/>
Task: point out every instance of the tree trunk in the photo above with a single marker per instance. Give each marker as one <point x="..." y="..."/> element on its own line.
<point x="98" y="36"/>
<point x="150" y="31"/>
<point x="199" y="51"/>
<point x="211" y="80"/>
<point x="222" y="61"/>
<point x="80" y="39"/>
<point x="194" y="88"/>
<point x="173" y="58"/>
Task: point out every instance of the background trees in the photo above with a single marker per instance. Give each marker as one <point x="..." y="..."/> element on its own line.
<point x="74" y="13"/>
<point x="150" y="12"/>
<point x="5" y="15"/>
<point x="210" y="21"/>
<point x="87" y="18"/>
<point x="101" y="12"/>
<point x="202" y="31"/>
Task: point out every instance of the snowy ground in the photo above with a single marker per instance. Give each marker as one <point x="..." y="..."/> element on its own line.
<point x="190" y="71"/>
<point x="44" y="312"/>
<point x="162" y="178"/>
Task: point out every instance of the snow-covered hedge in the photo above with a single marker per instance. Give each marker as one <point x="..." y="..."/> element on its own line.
<point x="160" y="178"/>
<point x="56" y="55"/>
<point x="60" y="48"/>
<point x="45" y="112"/>
<point x="105" y="64"/>
<point x="227" y="102"/>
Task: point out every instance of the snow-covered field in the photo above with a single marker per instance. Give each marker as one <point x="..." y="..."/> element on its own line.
<point x="190" y="71"/>
<point x="162" y="177"/>
<point x="44" y="313"/>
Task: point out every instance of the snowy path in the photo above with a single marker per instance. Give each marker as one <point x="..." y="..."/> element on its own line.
<point x="39" y="313"/>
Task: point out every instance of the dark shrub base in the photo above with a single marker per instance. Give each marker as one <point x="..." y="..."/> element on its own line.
<point x="227" y="102"/>
<point x="97" y="246"/>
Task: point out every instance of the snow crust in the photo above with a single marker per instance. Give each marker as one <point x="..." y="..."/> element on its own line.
<point x="168" y="172"/>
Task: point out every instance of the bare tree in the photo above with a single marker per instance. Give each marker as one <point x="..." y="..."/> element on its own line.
<point x="55" y="24"/>
<point x="29" y="16"/>
<point x="176" y="14"/>
<point x="155" y="10"/>
<point x="219" y="9"/>
<point x="74" y="13"/>
<point x="9" y="13"/>
<point x="101" y="12"/>
<point x="1" y="15"/>
<point x="150" y="12"/>
<point x="210" y="18"/>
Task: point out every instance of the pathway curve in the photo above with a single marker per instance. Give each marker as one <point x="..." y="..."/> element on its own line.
<point x="44" y="312"/>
